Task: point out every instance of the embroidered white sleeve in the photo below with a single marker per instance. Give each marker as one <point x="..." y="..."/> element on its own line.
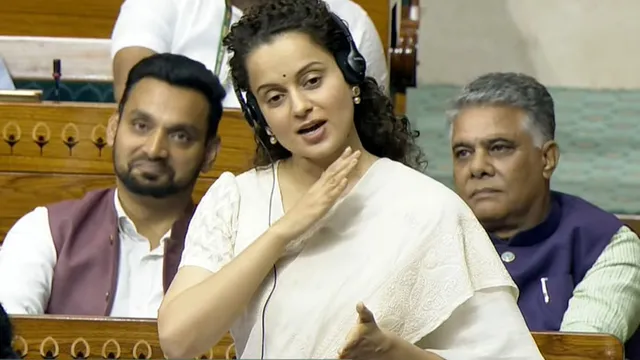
<point x="210" y="240"/>
<point x="27" y="261"/>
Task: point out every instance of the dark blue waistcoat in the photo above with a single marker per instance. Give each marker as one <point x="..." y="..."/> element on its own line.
<point x="549" y="260"/>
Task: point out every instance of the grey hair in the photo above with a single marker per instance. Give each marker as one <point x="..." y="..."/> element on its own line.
<point x="513" y="90"/>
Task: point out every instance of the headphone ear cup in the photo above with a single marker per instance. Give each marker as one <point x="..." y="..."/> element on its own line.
<point x="254" y="109"/>
<point x="246" y="110"/>
<point x="353" y="67"/>
<point x="357" y="65"/>
<point x="350" y="61"/>
<point x="342" y="59"/>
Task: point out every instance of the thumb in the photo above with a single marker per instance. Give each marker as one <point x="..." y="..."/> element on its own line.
<point x="365" y="315"/>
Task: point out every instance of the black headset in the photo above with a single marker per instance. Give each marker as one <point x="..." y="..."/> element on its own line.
<point x="350" y="61"/>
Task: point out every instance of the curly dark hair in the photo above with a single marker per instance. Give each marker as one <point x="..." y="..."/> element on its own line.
<point x="380" y="131"/>
<point x="6" y="336"/>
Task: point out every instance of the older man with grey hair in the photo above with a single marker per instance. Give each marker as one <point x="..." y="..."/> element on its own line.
<point x="577" y="266"/>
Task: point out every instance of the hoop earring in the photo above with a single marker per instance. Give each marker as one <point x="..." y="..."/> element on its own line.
<point x="356" y="94"/>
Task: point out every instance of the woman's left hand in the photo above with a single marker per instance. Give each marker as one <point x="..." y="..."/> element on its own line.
<point x="366" y="340"/>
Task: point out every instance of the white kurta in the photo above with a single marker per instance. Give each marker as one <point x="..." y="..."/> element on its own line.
<point x="399" y="241"/>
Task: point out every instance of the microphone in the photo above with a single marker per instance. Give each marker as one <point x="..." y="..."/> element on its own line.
<point x="56" y="78"/>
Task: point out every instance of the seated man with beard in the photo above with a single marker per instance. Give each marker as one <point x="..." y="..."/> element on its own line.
<point x="115" y="251"/>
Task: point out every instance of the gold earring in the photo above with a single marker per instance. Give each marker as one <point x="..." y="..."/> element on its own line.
<point x="356" y="94"/>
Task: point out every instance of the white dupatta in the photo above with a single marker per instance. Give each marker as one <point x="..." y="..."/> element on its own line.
<point x="402" y="243"/>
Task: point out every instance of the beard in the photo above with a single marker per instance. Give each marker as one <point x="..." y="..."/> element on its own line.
<point x="146" y="184"/>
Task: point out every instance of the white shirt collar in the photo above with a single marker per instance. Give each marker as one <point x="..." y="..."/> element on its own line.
<point x="125" y="224"/>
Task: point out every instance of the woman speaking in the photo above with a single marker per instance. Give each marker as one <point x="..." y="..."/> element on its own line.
<point x="334" y="245"/>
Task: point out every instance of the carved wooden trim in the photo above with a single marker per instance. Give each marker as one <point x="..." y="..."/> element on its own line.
<point x="104" y="353"/>
<point x="70" y="136"/>
<point x="25" y="347"/>
<point x="231" y="348"/>
<point x="99" y="137"/>
<point x="86" y="353"/>
<point x="11" y="134"/>
<point x="85" y="337"/>
<point x="41" y="139"/>
<point x="56" y="348"/>
<point x="136" y="354"/>
<point x="209" y="355"/>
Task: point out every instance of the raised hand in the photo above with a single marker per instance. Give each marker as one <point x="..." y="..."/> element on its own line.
<point x="321" y="196"/>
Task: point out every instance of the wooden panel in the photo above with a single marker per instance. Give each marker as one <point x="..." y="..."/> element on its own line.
<point x="380" y="12"/>
<point x="85" y="9"/>
<point x="632" y="221"/>
<point x="574" y="346"/>
<point x="400" y="103"/>
<point x="96" y="337"/>
<point x="22" y="192"/>
<point x="86" y="124"/>
<point x="59" y="18"/>
<point x="64" y="337"/>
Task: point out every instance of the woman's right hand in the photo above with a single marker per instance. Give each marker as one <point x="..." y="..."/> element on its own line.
<point x="324" y="193"/>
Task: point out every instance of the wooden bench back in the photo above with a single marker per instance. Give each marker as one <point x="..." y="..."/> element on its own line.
<point x="632" y="221"/>
<point x="34" y="32"/>
<point x="70" y="338"/>
<point x="51" y="153"/>
<point x="578" y="346"/>
<point x="67" y="338"/>
<point x="59" y="18"/>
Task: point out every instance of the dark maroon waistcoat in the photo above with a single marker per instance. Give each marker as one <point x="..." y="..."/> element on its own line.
<point x="85" y="235"/>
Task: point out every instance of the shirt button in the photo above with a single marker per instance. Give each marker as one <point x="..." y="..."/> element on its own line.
<point x="508" y="256"/>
